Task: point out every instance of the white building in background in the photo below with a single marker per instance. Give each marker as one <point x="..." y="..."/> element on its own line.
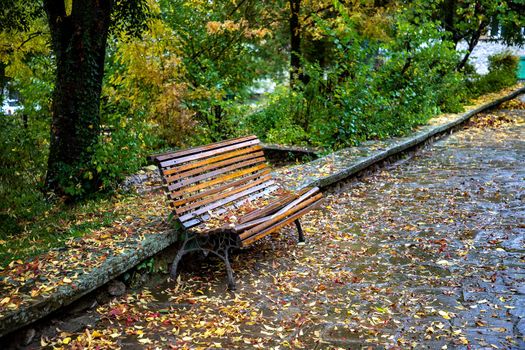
<point x="10" y="103"/>
<point x="484" y="49"/>
<point x="10" y="106"/>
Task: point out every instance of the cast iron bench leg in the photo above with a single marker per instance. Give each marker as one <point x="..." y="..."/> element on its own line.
<point x="221" y="252"/>
<point x="299" y="230"/>
<point x="229" y="270"/>
<point x="178" y="257"/>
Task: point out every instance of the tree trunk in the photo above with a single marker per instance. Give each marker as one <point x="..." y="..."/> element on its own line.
<point x="449" y="13"/>
<point x="472" y="43"/>
<point x="79" y="44"/>
<point x="295" y="41"/>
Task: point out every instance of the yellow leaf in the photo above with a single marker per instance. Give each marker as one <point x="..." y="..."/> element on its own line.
<point x="220" y="331"/>
<point x="66" y="340"/>
<point x="96" y="334"/>
<point x="444" y="314"/>
<point x="5" y="300"/>
<point x="68" y="6"/>
<point x="46" y="288"/>
<point x="67" y="280"/>
<point x="463" y="340"/>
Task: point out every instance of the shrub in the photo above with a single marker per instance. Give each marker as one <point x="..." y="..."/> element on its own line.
<point x="24" y="144"/>
<point x="22" y="164"/>
<point x="502" y="74"/>
<point x="275" y="123"/>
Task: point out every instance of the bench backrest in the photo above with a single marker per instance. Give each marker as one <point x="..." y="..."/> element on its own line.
<point x="206" y="178"/>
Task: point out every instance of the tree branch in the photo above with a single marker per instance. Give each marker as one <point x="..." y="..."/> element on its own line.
<point x="29" y="38"/>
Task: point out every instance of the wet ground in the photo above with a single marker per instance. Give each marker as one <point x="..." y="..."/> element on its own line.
<point x="429" y="253"/>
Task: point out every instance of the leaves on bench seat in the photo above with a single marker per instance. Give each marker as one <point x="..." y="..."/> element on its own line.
<point x="225" y="219"/>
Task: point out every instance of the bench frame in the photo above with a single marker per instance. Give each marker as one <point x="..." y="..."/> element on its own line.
<point x="252" y="226"/>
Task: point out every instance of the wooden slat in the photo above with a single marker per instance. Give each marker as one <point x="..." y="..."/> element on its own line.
<point x="301" y="198"/>
<point x="187" y="207"/>
<point x="259" y="217"/>
<point x="279" y="225"/>
<point x="180" y="160"/>
<point x="217" y="189"/>
<point x="203" y="162"/>
<point x="168" y="155"/>
<point x="210" y="174"/>
<point x="218" y="180"/>
<point x="225" y="201"/>
<point x="204" y="217"/>
<point x="271" y="207"/>
<point x="276" y="218"/>
<point x="211" y="166"/>
<point x="255" y="196"/>
<point x="272" y="218"/>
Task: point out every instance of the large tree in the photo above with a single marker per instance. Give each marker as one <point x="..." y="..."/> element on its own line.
<point x="79" y="31"/>
<point x="79" y="36"/>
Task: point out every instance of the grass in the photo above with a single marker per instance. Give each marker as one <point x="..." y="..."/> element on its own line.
<point x="60" y="223"/>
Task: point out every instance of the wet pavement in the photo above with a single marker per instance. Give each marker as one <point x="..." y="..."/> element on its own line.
<point x="428" y="253"/>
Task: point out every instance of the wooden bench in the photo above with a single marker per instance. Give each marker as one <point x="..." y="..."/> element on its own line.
<point x="223" y="197"/>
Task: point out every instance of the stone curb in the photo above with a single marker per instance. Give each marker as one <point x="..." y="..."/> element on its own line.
<point x="153" y="244"/>
<point x="110" y="269"/>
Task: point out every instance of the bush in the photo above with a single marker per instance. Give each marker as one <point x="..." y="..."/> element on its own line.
<point x="22" y="164"/>
<point x="276" y="123"/>
<point x="502" y="74"/>
<point x="24" y="142"/>
<point x="503" y="61"/>
<point x="121" y="150"/>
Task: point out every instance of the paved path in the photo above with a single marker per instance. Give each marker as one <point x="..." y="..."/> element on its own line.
<point x="429" y="253"/>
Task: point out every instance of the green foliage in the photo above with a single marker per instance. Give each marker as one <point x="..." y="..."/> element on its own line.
<point x="18" y="15"/>
<point x="130" y="16"/>
<point x="371" y="89"/>
<point x="147" y="265"/>
<point x="504" y="61"/>
<point x="121" y="150"/>
<point x="275" y="122"/>
<point x="502" y="74"/>
<point x="24" y="143"/>
<point x="219" y="45"/>
<point x="22" y="162"/>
